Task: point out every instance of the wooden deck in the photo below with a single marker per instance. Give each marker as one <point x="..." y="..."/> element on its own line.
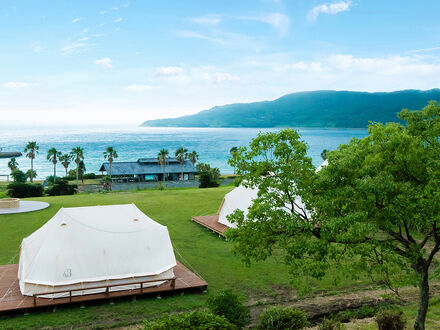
<point x="11" y="298"/>
<point x="211" y="222"/>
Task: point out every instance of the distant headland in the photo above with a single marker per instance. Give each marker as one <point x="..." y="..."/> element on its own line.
<point x="338" y="109"/>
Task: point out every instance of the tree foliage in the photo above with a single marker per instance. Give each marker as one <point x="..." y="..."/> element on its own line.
<point x="376" y="204"/>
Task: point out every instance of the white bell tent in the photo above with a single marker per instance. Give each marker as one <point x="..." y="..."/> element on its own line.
<point x="86" y="247"/>
<point x="241" y="198"/>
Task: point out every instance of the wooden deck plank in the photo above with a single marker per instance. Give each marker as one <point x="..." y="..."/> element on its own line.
<point x="11" y="298"/>
<point x="211" y="222"/>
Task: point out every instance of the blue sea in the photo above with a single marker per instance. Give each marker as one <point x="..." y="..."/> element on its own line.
<point x="131" y="143"/>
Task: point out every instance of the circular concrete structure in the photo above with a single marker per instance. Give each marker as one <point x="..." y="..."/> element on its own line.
<point x="14" y="205"/>
<point x="9" y="203"/>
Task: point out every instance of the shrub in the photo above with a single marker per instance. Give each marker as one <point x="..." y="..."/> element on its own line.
<point x="49" y="179"/>
<point x="61" y="188"/>
<point x="18" y="176"/>
<point x="194" y="320"/>
<point x="390" y="319"/>
<point x="208" y="176"/>
<point x="23" y="190"/>
<point x="228" y="305"/>
<point x="278" y="318"/>
<point x="329" y="324"/>
<point x="90" y="176"/>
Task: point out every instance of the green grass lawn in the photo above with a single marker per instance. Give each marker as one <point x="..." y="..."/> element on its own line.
<point x="195" y="247"/>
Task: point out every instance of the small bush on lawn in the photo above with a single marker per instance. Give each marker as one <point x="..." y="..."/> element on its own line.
<point x="329" y="324"/>
<point x="278" y="318"/>
<point x="390" y="319"/>
<point x="194" y="320"/>
<point x="62" y="187"/>
<point x="23" y="190"/>
<point x="228" y="305"/>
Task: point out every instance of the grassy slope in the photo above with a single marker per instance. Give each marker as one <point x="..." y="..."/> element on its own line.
<point x="195" y="246"/>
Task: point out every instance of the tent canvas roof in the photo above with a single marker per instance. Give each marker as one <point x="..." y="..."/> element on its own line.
<point x="87" y="244"/>
<point x="241" y="198"/>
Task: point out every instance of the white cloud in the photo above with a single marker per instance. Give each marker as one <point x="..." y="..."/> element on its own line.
<point x="168" y="71"/>
<point x="36" y="47"/>
<point x="207" y="20"/>
<point x="117" y="20"/>
<point x="76" y="20"/>
<point x="16" y="85"/>
<point x="220" y="77"/>
<point x="424" y="50"/>
<point x="74" y="47"/>
<point x="329" y="8"/>
<point x="104" y="62"/>
<point x="102" y="12"/>
<point x="138" y="88"/>
<point x="278" y="21"/>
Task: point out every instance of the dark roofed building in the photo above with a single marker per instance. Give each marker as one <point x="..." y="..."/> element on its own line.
<point x="149" y="169"/>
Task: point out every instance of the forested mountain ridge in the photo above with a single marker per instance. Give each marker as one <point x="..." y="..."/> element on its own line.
<point x="308" y="109"/>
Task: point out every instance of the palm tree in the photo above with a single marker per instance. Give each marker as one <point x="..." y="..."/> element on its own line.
<point x="232" y="151"/>
<point x="77" y="154"/>
<point x="13" y="164"/>
<point x="162" y="158"/>
<point x="52" y="155"/>
<point x="181" y="154"/>
<point x="193" y="156"/>
<point x="65" y="160"/>
<point x="31" y="150"/>
<point x="110" y="154"/>
<point x="324" y="154"/>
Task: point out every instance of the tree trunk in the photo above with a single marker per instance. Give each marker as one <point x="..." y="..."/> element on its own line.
<point x="110" y="163"/>
<point x="77" y="173"/>
<point x="66" y="170"/>
<point x="422" y="309"/>
<point x="32" y="170"/>
<point x="181" y="169"/>
<point x="54" y="172"/>
<point x="163" y="173"/>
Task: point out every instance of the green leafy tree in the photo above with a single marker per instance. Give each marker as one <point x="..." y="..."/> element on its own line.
<point x="110" y="154"/>
<point x="376" y="203"/>
<point x="65" y="160"/>
<point x="193" y="157"/>
<point x="181" y="155"/>
<point x="52" y="156"/>
<point x="18" y="176"/>
<point x="208" y="177"/>
<point x="31" y="150"/>
<point x="13" y="164"/>
<point x="77" y="154"/>
<point x="162" y="158"/>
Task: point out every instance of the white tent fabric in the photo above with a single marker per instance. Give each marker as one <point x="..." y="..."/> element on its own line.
<point x="241" y="198"/>
<point x="92" y="246"/>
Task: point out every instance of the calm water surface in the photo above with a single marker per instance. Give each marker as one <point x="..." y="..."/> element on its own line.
<point x="212" y="144"/>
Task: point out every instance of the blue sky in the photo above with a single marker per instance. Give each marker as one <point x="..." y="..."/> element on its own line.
<point x="129" y="61"/>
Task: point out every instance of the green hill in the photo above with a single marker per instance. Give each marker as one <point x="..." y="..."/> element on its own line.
<point x="308" y="109"/>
